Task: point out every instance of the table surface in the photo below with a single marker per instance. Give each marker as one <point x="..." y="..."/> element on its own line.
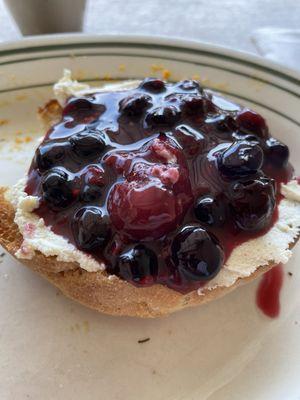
<point x="224" y="22"/>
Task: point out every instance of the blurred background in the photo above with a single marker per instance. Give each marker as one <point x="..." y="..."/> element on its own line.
<point x="269" y="27"/>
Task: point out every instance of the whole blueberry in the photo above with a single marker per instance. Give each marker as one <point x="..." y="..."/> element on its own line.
<point x="193" y="104"/>
<point x="51" y="154"/>
<point x="88" y="144"/>
<point x="83" y="109"/>
<point x="135" y="104"/>
<point x="210" y="210"/>
<point x="250" y="122"/>
<point x="138" y="264"/>
<point x="196" y="254"/>
<point x="277" y="153"/>
<point x="153" y="85"/>
<point x="221" y="125"/>
<point x="240" y="159"/>
<point x="164" y="117"/>
<point x="91" y="228"/>
<point x="252" y="203"/>
<point x="57" y="188"/>
<point x="91" y="193"/>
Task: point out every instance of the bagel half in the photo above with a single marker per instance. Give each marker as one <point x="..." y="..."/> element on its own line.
<point x="98" y="290"/>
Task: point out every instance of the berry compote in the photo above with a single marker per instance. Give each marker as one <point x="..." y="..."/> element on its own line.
<point x="160" y="182"/>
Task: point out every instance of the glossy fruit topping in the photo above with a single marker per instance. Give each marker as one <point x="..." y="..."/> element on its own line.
<point x="88" y="144"/>
<point x="252" y="203"/>
<point x="277" y="153"/>
<point x="241" y="159"/>
<point x="250" y="138"/>
<point x="160" y="182"/>
<point x="210" y="210"/>
<point x="197" y="254"/>
<point x="190" y="85"/>
<point x="57" y="188"/>
<point x="135" y="105"/>
<point x="223" y="125"/>
<point x="252" y="123"/>
<point x="162" y="117"/>
<point x="91" y="228"/>
<point x="153" y="85"/>
<point x="193" y="104"/>
<point x="83" y="109"/>
<point x="151" y="201"/>
<point x="51" y="154"/>
<point x="91" y="193"/>
<point x="138" y="264"/>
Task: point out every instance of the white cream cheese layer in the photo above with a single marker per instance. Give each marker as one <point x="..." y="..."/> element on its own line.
<point x="67" y="87"/>
<point x="38" y="237"/>
<point x="244" y="260"/>
<point x="271" y="247"/>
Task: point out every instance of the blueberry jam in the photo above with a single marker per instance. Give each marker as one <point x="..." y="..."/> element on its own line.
<point x="160" y="182"/>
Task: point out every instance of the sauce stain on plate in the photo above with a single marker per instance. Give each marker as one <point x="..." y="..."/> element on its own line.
<point x="268" y="292"/>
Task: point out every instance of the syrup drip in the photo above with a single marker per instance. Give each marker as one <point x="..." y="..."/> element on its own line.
<point x="268" y="292"/>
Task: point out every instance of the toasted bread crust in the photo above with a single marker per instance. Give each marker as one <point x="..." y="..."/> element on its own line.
<point x="50" y="114"/>
<point x="95" y="290"/>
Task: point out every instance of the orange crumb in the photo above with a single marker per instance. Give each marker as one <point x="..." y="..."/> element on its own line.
<point x="221" y="86"/>
<point x="122" y="67"/>
<point x="166" y="74"/>
<point x="258" y="86"/>
<point x="79" y="74"/>
<point x="21" y="97"/>
<point x="157" y="68"/>
<point x="4" y="122"/>
<point x="206" y="82"/>
<point x="86" y="326"/>
<point x="4" y="103"/>
<point x="107" y="77"/>
<point x="26" y="139"/>
<point x="77" y="327"/>
<point x="18" y="140"/>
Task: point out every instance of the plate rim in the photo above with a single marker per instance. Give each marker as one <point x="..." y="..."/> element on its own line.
<point x="33" y="43"/>
<point x="37" y="41"/>
<point x="242" y="63"/>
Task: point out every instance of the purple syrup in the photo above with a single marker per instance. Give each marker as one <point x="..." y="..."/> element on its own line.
<point x="160" y="182"/>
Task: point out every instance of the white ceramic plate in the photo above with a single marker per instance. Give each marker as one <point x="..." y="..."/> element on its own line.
<point x="52" y="348"/>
